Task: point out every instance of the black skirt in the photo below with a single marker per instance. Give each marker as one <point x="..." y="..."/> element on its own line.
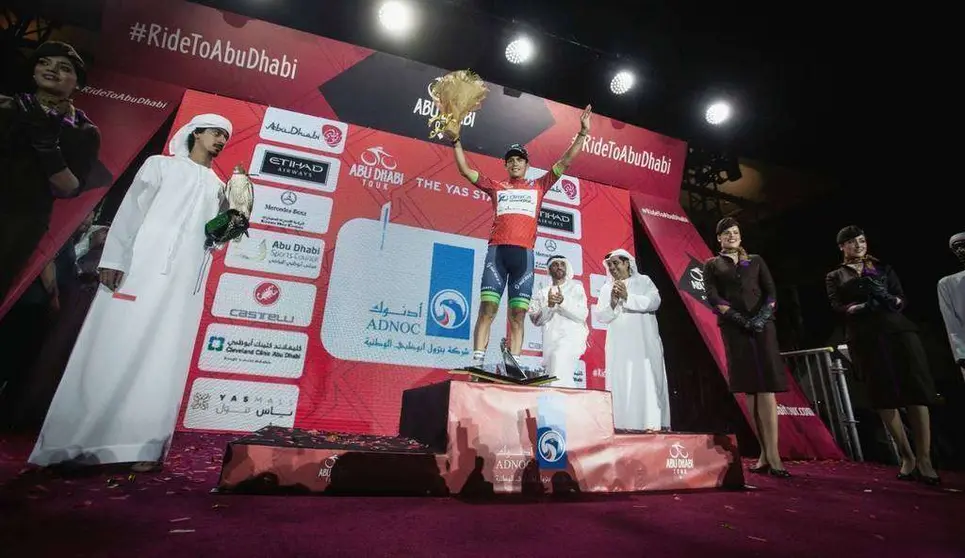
<point x="754" y="363"/>
<point x="895" y="367"/>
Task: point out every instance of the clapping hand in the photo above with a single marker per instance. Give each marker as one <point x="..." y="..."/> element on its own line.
<point x="555" y="297"/>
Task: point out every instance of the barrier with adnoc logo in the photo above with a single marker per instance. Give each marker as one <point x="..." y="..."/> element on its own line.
<point x="359" y="278"/>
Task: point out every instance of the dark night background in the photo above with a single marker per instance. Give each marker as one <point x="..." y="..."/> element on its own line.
<point x="812" y="91"/>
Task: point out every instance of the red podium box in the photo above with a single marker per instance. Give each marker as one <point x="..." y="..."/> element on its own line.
<point x="475" y="439"/>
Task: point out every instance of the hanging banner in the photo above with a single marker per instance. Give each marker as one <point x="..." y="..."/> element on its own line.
<point x="206" y="49"/>
<point x="802" y="434"/>
<point x="128" y="111"/>
<point x="360" y="276"/>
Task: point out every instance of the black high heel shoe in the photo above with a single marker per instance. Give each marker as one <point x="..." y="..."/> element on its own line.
<point x="762" y="470"/>
<point x="912" y="476"/>
<point x="930" y="481"/>
<point x="780" y="473"/>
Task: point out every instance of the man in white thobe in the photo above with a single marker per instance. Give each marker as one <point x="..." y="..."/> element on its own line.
<point x="121" y="391"/>
<point x="635" y="372"/>
<point x="560" y="309"/>
<point x="951" y="299"/>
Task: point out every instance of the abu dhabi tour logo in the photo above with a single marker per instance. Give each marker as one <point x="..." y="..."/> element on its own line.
<point x="450" y="309"/>
<point x="267" y="293"/>
<point x="679" y="460"/>
<point x="377" y="169"/>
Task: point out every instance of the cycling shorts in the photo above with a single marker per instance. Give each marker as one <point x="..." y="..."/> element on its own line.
<point x="508" y="268"/>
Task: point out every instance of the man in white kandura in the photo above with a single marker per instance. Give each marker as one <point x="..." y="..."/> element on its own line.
<point x="119" y="398"/>
<point x="560" y="309"/>
<point x="951" y="299"/>
<point x="635" y="372"/>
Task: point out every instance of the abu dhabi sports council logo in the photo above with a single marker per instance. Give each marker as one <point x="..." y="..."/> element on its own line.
<point x="450" y="310"/>
<point x="692" y="280"/>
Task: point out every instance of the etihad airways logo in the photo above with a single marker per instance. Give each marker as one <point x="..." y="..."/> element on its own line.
<point x="626" y="154"/>
<point x="294" y="168"/>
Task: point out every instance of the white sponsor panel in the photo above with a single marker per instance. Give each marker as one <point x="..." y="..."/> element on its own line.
<point x="274" y="252"/>
<point x="548" y="247"/>
<point x="253" y="350"/>
<point x="397" y="318"/>
<point x="288" y="167"/>
<point x="596" y="283"/>
<point x="566" y="189"/>
<point x="270" y="301"/>
<point x="556" y="220"/>
<point x="313" y="132"/>
<point x="289" y="209"/>
<point x="516" y="202"/>
<point x="239" y="406"/>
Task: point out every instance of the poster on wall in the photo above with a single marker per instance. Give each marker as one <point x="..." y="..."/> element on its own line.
<point x="360" y="275"/>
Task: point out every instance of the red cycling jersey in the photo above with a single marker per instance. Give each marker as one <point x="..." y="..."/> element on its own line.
<point x="516" y="202"/>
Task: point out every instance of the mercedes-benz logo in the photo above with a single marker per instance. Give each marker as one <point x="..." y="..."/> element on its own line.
<point x="550" y="245"/>
<point x="288" y="197"/>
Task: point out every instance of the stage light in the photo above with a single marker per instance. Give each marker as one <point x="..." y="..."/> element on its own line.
<point x="520" y="51"/>
<point x="621" y="83"/>
<point x="718" y="113"/>
<point x="396" y="17"/>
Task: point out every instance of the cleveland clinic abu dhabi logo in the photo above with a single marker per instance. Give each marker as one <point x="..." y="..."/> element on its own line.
<point x="450" y="310"/>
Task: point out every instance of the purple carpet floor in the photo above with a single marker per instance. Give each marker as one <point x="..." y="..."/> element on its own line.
<point x="828" y="508"/>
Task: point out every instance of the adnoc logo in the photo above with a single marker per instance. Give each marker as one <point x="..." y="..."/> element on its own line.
<point x="450" y="309"/>
<point x="551" y="446"/>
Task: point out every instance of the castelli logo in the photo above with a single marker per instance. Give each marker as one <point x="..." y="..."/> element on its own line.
<point x="568" y="188"/>
<point x="267" y="294"/>
<point x="332" y="135"/>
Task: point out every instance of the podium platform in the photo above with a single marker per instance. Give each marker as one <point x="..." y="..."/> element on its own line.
<point x="477" y="439"/>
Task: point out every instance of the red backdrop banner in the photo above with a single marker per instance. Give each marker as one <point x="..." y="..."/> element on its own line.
<point x="205" y="49"/>
<point x="361" y="273"/>
<point x="682" y="252"/>
<point x="128" y="111"/>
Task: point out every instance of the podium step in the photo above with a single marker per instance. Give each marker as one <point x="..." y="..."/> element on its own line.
<point x="476" y="439"/>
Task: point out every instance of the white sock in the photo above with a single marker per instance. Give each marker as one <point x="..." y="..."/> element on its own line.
<point x="478" y="356"/>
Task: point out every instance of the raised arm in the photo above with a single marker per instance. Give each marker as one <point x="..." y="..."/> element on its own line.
<point x="464" y="169"/>
<point x="577" y="146"/>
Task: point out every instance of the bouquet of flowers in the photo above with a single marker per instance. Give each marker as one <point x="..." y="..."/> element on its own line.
<point x="456" y="94"/>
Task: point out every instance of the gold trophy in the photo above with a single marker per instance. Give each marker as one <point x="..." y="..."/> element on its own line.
<point x="456" y="94"/>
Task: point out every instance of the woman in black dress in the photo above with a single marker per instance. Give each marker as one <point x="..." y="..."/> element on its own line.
<point x="742" y="293"/>
<point x="885" y="347"/>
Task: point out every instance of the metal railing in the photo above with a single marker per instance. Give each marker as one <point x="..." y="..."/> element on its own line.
<point x="821" y="374"/>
